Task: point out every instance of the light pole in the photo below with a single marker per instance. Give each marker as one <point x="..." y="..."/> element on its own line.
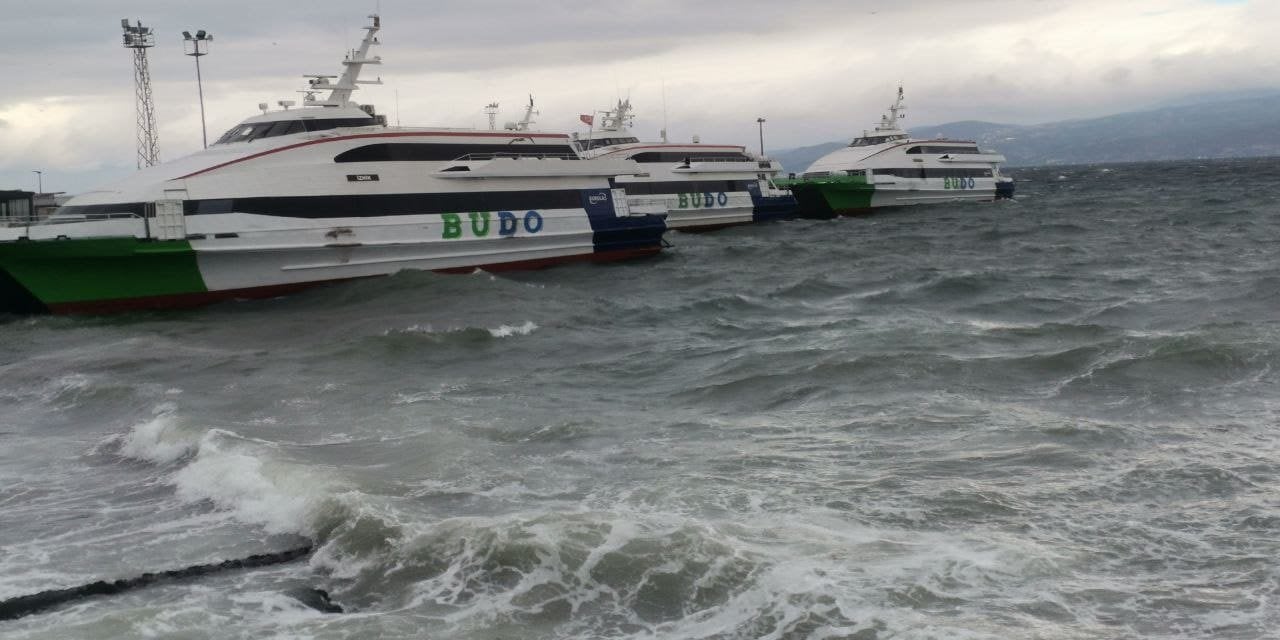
<point x="196" y="46"/>
<point x="760" y="121"/>
<point x="39" y="181"/>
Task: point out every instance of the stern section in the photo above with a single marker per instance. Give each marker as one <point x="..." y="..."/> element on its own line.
<point x="833" y="196"/>
<point x="616" y="233"/>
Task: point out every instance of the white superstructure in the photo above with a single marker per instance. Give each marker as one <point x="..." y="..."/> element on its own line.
<point x="698" y="186"/>
<point x="900" y="170"/>
<point x="327" y="191"/>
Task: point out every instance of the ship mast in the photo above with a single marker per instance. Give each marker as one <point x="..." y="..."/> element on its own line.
<point x="340" y="91"/>
<point x="889" y="121"/>
<point x="527" y="120"/>
<point x="618" y="119"/>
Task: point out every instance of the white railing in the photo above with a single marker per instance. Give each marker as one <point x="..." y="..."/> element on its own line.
<point x="34" y="220"/>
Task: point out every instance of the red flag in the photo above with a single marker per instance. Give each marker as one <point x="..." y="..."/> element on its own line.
<point x="587" y="119"/>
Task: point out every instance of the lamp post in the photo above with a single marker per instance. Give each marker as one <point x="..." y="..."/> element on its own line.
<point x="760" y="121"/>
<point x="39" y="181"/>
<point x="196" y="46"/>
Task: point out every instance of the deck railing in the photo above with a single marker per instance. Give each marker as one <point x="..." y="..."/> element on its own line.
<point x="475" y="157"/>
<point x="34" y="220"/>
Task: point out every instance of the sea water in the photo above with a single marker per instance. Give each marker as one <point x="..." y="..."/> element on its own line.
<point x="1055" y="417"/>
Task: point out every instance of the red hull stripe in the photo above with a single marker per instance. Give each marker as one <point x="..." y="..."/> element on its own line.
<point x="191" y="300"/>
<point x="404" y="134"/>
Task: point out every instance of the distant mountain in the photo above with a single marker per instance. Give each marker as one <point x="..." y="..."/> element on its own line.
<point x="799" y="159"/>
<point x="1212" y="129"/>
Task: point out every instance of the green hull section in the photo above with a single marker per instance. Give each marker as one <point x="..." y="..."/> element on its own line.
<point x="831" y="196"/>
<point x="69" y="275"/>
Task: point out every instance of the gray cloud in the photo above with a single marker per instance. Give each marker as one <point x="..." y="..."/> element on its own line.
<point x="818" y="69"/>
<point x="1117" y="75"/>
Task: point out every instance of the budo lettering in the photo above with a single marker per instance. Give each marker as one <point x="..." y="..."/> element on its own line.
<point x="700" y="200"/>
<point x="957" y="183"/>
<point x="480" y="223"/>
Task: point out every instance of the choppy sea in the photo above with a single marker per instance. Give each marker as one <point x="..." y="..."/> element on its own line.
<point x="1057" y="417"/>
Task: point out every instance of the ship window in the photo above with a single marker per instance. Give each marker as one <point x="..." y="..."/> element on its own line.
<point x="220" y="205"/>
<point x="247" y="132"/>
<point x="355" y="206"/>
<point x="941" y="149"/>
<point x="908" y="172"/>
<point x="958" y="173"/>
<point x="681" y="156"/>
<point x="932" y="172"/>
<point x="642" y="188"/>
<point x="284" y="128"/>
<point x="241" y="133"/>
<point x="866" y="142"/>
<point x="318" y="124"/>
<point x="429" y="152"/>
<point x="596" y="143"/>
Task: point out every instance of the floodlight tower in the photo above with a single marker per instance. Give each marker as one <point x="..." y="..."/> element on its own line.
<point x="196" y="46"/>
<point x="140" y="38"/>
<point x="491" y="110"/>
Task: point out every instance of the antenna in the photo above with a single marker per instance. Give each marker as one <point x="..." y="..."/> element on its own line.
<point x="140" y="38"/>
<point x="664" y="109"/>
<point x="491" y="110"/>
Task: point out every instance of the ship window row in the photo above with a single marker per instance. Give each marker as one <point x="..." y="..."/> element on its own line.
<point x="398" y="204"/>
<point x="874" y="140"/>
<point x="942" y="149"/>
<point x="686" y="156"/>
<point x="681" y="186"/>
<point x="428" y="152"/>
<point x="596" y="143"/>
<point x="247" y="132"/>
<point x="352" y="206"/>
<point x="921" y="172"/>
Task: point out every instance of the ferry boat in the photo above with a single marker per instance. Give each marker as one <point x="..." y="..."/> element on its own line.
<point x="323" y="192"/>
<point x="699" y="187"/>
<point x="887" y="168"/>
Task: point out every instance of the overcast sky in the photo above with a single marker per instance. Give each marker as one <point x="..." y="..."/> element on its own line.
<point x="817" y="70"/>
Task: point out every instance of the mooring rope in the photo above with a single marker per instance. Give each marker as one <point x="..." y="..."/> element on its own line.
<point x="21" y="606"/>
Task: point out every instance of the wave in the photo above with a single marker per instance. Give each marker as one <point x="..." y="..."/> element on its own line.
<point x="622" y="571"/>
<point x="629" y="574"/>
<point x="461" y="335"/>
<point x="160" y="440"/>
<point x="234" y="474"/>
<point x="1172" y="365"/>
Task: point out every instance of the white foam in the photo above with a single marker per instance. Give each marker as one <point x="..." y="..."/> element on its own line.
<point x="416" y="328"/>
<point x="506" y="331"/>
<point x="283" y="498"/>
<point x="503" y="331"/>
<point x="992" y="325"/>
<point x="159" y="440"/>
